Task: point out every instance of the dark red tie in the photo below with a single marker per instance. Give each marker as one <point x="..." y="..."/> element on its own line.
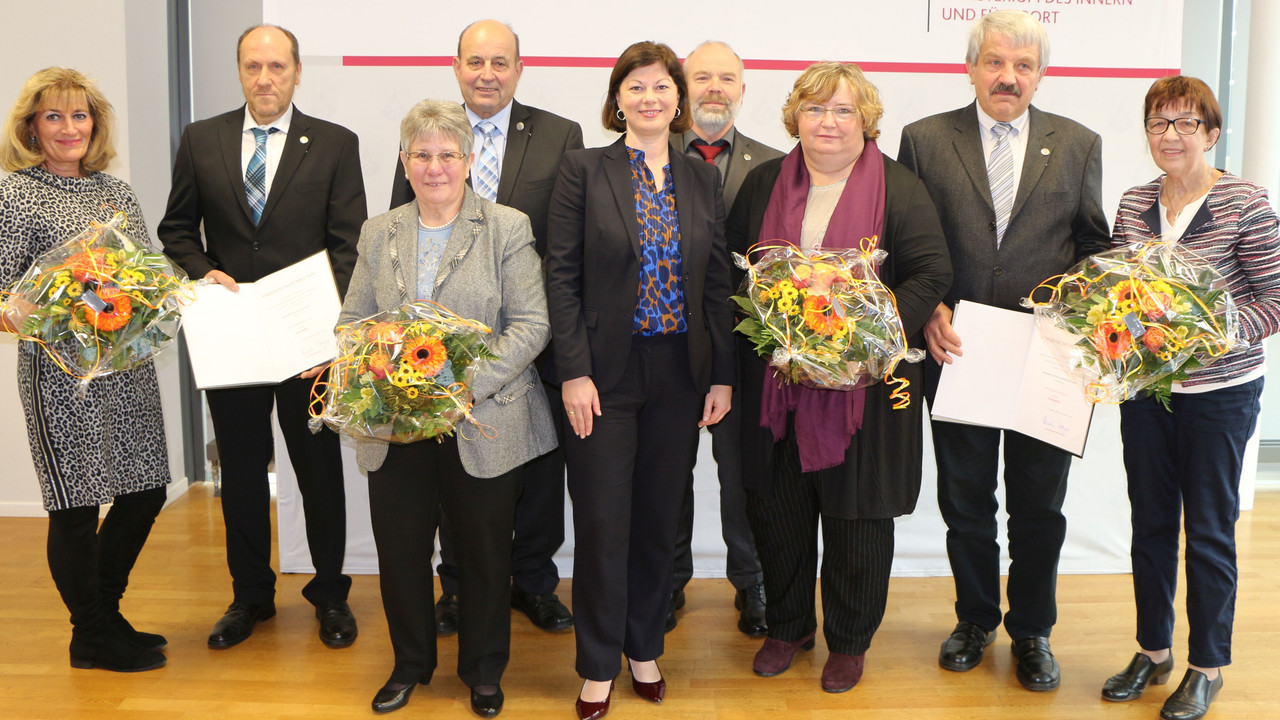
<point x="709" y="152"/>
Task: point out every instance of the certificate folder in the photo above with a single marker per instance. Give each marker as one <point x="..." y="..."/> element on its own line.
<point x="1010" y="378"/>
<point x="266" y="333"/>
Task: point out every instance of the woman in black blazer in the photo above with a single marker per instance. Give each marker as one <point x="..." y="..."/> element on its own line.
<point x="637" y="290"/>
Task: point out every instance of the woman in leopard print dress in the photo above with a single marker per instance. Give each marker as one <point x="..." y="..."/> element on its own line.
<point x="107" y="446"/>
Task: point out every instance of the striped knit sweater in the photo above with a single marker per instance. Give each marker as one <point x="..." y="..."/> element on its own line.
<point x="1235" y="231"/>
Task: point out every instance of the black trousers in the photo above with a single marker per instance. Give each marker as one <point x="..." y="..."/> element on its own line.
<point x="90" y="564"/>
<point x="856" y="559"/>
<point x="539" y="531"/>
<point x="242" y="425"/>
<point x="742" y="567"/>
<point x="1035" y="479"/>
<point x="627" y="479"/>
<point x="406" y="495"/>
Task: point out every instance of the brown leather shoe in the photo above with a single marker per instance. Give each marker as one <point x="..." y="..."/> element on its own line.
<point x="842" y="672"/>
<point x="775" y="656"/>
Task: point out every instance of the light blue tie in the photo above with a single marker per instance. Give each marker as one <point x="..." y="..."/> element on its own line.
<point x="255" y="176"/>
<point x="486" y="177"/>
<point x="1000" y="176"/>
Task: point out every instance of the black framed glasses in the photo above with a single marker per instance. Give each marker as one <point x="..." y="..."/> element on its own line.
<point x="1183" y="126"/>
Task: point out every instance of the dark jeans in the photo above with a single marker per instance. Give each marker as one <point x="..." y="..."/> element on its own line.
<point x="1184" y="467"/>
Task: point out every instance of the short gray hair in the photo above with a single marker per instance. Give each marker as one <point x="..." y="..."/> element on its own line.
<point x="1020" y="27"/>
<point x="442" y="118"/>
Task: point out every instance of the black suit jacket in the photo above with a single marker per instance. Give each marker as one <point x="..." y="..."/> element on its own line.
<point x="316" y="201"/>
<point x="536" y="140"/>
<point x="593" y="267"/>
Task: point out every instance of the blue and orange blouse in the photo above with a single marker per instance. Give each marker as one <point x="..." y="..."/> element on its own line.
<point x="660" y="305"/>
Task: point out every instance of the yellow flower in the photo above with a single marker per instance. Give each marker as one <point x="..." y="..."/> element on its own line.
<point x="66" y="301"/>
<point x="411" y="392"/>
<point x="62" y="278"/>
<point x="75" y="289"/>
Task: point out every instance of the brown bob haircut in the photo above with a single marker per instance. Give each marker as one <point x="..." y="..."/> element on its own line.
<point x="639" y="55"/>
<point x="820" y="82"/>
<point x="48" y="88"/>
<point x="1180" y="89"/>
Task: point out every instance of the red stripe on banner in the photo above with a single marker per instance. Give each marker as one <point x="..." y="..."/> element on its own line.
<point x="795" y="65"/>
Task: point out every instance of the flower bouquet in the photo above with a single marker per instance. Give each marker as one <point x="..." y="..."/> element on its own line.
<point x="823" y="318"/>
<point x="100" y="303"/>
<point x="1143" y="316"/>
<point x="402" y="375"/>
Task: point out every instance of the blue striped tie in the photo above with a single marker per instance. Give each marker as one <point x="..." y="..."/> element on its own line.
<point x="486" y="178"/>
<point x="255" y="176"/>
<point x="1000" y="175"/>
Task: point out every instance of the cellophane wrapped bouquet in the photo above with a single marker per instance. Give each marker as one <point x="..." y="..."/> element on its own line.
<point x="402" y="375"/>
<point x="1143" y="317"/>
<point x="822" y="317"/>
<point x="100" y="302"/>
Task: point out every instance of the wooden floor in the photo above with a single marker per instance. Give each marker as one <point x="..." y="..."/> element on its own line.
<point x="180" y="587"/>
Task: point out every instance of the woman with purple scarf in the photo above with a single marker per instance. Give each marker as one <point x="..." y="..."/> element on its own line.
<point x="845" y="457"/>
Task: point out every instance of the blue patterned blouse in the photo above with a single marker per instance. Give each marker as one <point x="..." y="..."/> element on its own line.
<point x="660" y="308"/>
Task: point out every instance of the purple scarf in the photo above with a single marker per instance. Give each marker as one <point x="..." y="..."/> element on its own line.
<point x="825" y="420"/>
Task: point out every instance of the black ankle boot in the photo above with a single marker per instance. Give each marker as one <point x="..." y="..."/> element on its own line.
<point x="120" y="539"/>
<point x="104" y="647"/>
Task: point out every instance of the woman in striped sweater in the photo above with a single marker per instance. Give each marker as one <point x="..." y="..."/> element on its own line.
<point x="1185" y="464"/>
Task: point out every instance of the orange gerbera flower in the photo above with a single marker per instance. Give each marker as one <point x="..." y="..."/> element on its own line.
<point x="426" y="355"/>
<point x="116" y="314"/>
<point x="820" y="315"/>
<point x="386" y="333"/>
<point x="1112" y="340"/>
<point x="95" y="264"/>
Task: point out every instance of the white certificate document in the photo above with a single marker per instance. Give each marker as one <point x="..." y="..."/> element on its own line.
<point x="267" y="332"/>
<point x="1009" y="378"/>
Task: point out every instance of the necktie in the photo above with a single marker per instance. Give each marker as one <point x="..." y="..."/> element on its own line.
<point x="255" y="176"/>
<point x="486" y="177"/>
<point x="708" y="152"/>
<point x="1000" y="175"/>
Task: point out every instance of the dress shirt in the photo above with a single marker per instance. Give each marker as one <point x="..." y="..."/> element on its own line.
<point x="1017" y="141"/>
<point x="502" y="122"/>
<point x="275" y="144"/>
<point x="722" y="160"/>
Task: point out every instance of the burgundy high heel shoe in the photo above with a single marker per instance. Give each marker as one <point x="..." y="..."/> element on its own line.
<point x="651" y="691"/>
<point x="593" y="710"/>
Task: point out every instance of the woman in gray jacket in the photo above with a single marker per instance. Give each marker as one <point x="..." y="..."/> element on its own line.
<point x="478" y="260"/>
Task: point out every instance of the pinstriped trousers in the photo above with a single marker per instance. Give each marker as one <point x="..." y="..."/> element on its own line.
<point x="857" y="556"/>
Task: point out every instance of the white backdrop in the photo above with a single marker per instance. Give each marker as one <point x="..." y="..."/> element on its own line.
<point x="365" y="64"/>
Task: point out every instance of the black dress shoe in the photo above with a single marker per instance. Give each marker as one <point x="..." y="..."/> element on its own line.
<point x="1037" y="668"/>
<point x="1130" y="682"/>
<point x="486" y="700"/>
<point x="545" y="611"/>
<point x="1192" y="698"/>
<point x="337" y="624"/>
<point x="677" y="602"/>
<point x="447" y="615"/>
<point x="392" y="696"/>
<point x="237" y="624"/>
<point x="593" y="710"/>
<point x="750" y="603"/>
<point x="964" y="649"/>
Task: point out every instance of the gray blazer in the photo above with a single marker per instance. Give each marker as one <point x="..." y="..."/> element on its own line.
<point x="1057" y="215"/>
<point x="747" y="155"/>
<point x="490" y="273"/>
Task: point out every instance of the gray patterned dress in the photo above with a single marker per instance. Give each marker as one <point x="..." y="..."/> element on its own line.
<point x="110" y="442"/>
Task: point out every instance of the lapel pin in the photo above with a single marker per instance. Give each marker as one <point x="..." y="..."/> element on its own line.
<point x="1044" y="151"/>
<point x="746" y="156"/>
<point x="519" y="126"/>
<point x="304" y="139"/>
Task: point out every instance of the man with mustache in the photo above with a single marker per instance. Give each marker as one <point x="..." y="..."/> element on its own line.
<point x="714" y="75"/>
<point x="517" y="157"/>
<point x="1019" y="194"/>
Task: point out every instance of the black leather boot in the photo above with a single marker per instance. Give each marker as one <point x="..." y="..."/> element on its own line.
<point x="120" y="539"/>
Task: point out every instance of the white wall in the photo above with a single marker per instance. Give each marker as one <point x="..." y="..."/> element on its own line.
<point x="122" y="46"/>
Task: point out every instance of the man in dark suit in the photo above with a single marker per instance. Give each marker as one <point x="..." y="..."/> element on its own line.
<point x="713" y="72"/>
<point x="518" y="151"/>
<point x="272" y="187"/>
<point x="1019" y="194"/>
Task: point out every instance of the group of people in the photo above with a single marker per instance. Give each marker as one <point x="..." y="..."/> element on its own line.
<point x="604" y="274"/>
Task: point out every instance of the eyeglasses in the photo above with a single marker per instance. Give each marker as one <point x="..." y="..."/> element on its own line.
<point x="842" y="113"/>
<point x="1182" y="126"/>
<point x="447" y="158"/>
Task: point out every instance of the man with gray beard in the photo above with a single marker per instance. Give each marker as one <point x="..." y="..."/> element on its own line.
<point x="714" y="75"/>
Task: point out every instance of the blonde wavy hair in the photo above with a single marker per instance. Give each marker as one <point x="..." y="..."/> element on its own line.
<point x="48" y="88"/>
<point x="820" y="82"/>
